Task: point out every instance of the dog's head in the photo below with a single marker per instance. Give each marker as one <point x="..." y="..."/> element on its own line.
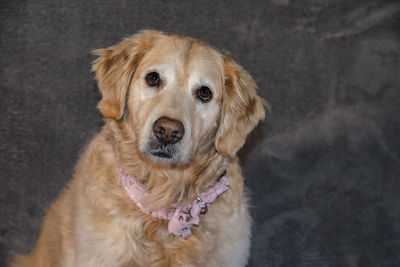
<point x="178" y="95"/>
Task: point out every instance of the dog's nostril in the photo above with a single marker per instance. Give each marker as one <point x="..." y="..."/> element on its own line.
<point x="168" y="131"/>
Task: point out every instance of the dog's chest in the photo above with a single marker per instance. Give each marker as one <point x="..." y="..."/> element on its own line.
<point x="140" y="244"/>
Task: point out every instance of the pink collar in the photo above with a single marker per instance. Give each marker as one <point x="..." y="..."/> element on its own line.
<point x="181" y="218"/>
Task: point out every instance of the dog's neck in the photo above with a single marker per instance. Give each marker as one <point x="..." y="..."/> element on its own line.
<point x="166" y="184"/>
<point x="180" y="216"/>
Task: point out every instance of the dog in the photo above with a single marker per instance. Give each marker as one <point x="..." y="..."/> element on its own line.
<point x="160" y="185"/>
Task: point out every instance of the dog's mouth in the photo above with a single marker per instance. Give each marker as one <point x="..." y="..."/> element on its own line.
<point x="161" y="154"/>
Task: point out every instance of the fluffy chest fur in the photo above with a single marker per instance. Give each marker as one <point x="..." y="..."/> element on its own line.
<point x="132" y="238"/>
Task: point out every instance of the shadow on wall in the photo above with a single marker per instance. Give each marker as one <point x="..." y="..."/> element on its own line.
<point x="328" y="197"/>
<point x="358" y="108"/>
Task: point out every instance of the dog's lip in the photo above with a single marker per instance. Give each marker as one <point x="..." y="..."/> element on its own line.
<point x="161" y="154"/>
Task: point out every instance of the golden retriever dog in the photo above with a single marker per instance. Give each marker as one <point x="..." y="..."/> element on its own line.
<point x="160" y="185"/>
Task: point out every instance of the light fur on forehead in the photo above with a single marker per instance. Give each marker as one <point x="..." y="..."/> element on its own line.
<point x="242" y="108"/>
<point x="114" y="68"/>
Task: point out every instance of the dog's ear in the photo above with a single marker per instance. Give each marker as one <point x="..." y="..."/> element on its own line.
<point x="241" y="110"/>
<point x="114" y="68"/>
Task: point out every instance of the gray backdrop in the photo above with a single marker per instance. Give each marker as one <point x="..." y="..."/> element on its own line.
<point x="323" y="169"/>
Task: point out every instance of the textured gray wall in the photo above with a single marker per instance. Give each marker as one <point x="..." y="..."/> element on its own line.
<point x="323" y="170"/>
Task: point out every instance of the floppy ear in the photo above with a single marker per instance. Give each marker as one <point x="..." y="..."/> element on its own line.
<point x="242" y="108"/>
<point x="114" y="68"/>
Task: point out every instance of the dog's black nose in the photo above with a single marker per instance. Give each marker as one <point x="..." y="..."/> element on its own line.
<point x="168" y="131"/>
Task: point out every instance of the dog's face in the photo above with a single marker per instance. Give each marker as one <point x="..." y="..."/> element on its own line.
<point x="175" y="98"/>
<point x="177" y="94"/>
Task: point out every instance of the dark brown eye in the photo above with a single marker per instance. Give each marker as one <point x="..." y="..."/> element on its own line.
<point x="153" y="79"/>
<point x="204" y="94"/>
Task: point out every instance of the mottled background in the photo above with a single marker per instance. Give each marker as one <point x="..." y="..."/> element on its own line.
<point x="323" y="169"/>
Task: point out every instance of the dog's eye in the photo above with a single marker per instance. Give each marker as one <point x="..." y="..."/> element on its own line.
<point x="153" y="79"/>
<point x="204" y="94"/>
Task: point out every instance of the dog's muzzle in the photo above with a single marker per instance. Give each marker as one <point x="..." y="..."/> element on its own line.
<point x="167" y="133"/>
